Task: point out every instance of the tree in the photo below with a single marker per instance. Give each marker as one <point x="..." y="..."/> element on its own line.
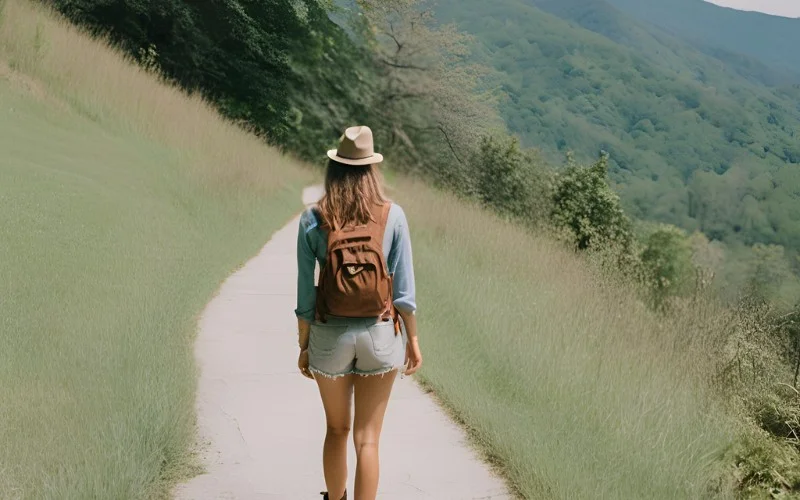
<point x="585" y="204"/>
<point x="428" y="103"/>
<point x="770" y="276"/>
<point x="667" y="261"/>
<point x="708" y="259"/>
<point x="333" y="84"/>
<point x="510" y="180"/>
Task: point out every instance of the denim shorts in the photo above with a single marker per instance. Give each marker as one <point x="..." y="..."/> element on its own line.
<point x="364" y="346"/>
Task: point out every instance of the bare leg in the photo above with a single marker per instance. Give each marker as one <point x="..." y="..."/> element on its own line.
<point x="336" y="398"/>
<point x="372" y="398"/>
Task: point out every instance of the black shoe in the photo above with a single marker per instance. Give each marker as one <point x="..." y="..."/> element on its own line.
<point x="325" y="495"/>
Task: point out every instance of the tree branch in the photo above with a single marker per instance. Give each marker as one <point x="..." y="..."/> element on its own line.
<point x="402" y="66"/>
<point x="447" y="138"/>
<point x="391" y="35"/>
<point x="441" y="129"/>
<point x="401" y="95"/>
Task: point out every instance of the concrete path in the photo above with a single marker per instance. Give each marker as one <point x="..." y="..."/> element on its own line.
<point x="262" y="423"/>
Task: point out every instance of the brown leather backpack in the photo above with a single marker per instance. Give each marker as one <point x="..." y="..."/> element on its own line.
<point x="355" y="281"/>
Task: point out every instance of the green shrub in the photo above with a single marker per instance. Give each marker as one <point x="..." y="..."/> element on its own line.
<point x="765" y="467"/>
<point x="667" y="263"/>
<point x="584" y="203"/>
<point x="753" y="377"/>
<point x="511" y="181"/>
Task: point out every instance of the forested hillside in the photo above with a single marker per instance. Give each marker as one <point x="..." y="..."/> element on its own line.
<point x="690" y="142"/>
<point x="725" y="32"/>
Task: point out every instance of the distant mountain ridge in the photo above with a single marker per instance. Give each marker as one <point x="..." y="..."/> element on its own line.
<point x="630" y="23"/>
<point x="773" y="40"/>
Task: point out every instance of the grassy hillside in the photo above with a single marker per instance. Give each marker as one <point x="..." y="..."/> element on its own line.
<point x="123" y="204"/>
<point x="691" y="143"/>
<point x="568" y="382"/>
<point x="770" y="39"/>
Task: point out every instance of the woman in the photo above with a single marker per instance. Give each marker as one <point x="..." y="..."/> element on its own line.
<point x="356" y="354"/>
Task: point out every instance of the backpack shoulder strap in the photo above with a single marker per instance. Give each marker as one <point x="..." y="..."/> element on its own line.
<point x="380" y="230"/>
<point x="381" y="217"/>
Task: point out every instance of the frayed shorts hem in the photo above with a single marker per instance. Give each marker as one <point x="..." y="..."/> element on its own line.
<point x="379" y="371"/>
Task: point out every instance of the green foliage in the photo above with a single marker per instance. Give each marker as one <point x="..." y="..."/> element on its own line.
<point x="511" y="181"/>
<point x="727" y="33"/>
<point x="769" y="276"/>
<point x="584" y="203"/>
<point x="753" y="377"/>
<point x="765" y="467"/>
<point x="235" y="53"/>
<point x="667" y="262"/>
<point x="333" y="85"/>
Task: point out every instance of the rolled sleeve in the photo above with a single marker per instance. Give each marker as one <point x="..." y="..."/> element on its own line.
<point x="306" y="260"/>
<point x="401" y="264"/>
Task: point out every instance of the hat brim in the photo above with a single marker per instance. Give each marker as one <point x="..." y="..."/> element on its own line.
<point x="361" y="162"/>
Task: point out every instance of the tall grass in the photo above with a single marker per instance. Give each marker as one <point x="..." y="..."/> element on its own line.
<point x="570" y="383"/>
<point x="123" y="204"/>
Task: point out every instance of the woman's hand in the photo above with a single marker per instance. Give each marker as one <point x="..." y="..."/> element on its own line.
<point x="303" y="332"/>
<point x="302" y="363"/>
<point x="413" y="356"/>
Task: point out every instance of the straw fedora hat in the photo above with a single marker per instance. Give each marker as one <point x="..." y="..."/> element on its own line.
<point x="356" y="148"/>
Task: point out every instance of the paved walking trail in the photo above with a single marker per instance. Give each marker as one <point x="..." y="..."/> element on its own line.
<point x="262" y="423"/>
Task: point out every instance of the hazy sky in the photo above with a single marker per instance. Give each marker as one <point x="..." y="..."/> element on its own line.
<point x="788" y="8"/>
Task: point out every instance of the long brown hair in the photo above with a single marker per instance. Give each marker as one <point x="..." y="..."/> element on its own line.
<point x="350" y="194"/>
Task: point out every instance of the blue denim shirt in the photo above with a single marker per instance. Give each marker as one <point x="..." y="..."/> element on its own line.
<point x="312" y="244"/>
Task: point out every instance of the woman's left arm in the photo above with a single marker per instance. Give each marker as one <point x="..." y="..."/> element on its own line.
<point x="306" y="292"/>
<point x="306" y="262"/>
